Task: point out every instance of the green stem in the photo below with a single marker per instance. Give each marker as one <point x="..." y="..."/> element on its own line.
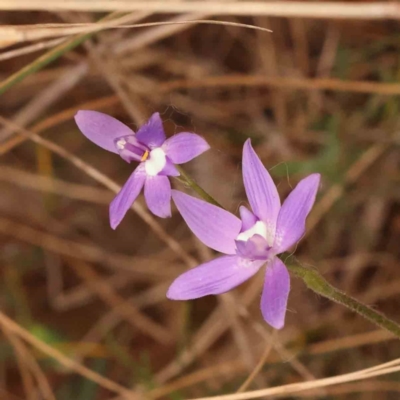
<point x="318" y="284"/>
<point x="188" y="181"/>
<point x="313" y="279"/>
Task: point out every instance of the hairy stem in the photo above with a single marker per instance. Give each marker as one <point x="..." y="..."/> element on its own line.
<point x="313" y="279"/>
<point x="318" y="284"/>
<point x="188" y="181"/>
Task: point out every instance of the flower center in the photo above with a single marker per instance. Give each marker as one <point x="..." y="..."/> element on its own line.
<point x="259" y="228"/>
<point x="155" y="162"/>
<point x="130" y="149"/>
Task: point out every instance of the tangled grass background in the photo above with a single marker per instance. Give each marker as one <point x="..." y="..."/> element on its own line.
<point x="83" y="308"/>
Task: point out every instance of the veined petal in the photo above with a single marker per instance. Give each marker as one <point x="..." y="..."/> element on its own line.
<point x="291" y="223"/>
<point x="184" y="146"/>
<point x="126" y="196"/>
<point x="214" y="277"/>
<point x="214" y="226"/>
<point x="157" y="192"/>
<point x="275" y="293"/>
<point x="260" y="188"/>
<point x="247" y="217"/>
<point x="152" y="132"/>
<point x="101" y="129"/>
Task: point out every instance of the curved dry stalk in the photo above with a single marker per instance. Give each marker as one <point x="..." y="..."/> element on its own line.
<point x="258" y="367"/>
<point x="382" y="369"/>
<point x="24" y="33"/>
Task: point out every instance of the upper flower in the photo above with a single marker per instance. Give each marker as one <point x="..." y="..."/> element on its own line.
<point x="255" y="239"/>
<point x="156" y="154"/>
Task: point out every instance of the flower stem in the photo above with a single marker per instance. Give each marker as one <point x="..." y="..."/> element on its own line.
<point x="318" y="284"/>
<point x="188" y="181"/>
<point x="312" y="278"/>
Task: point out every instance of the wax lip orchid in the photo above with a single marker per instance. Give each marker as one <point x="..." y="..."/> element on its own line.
<point x="249" y="242"/>
<point x="156" y="155"/>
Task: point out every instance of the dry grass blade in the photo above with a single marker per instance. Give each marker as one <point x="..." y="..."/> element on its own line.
<point x="30" y="49"/>
<point x="30" y="363"/>
<point x="257" y="368"/>
<point x="47" y="97"/>
<point x="9" y="324"/>
<point x="339" y="85"/>
<point x="25" y="33"/>
<point x="331" y="10"/>
<point x="127" y="310"/>
<point x="382" y="369"/>
<point x="25" y="373"/>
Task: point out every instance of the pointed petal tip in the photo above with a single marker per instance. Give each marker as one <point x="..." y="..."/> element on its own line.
<point x="172" y="293"/>
<point x="277" y="324"/>
<point x="114" y="221"/>
<point x="315" y="176"/>
<point x="80" y="115"/>
<point x="260" y="188"/>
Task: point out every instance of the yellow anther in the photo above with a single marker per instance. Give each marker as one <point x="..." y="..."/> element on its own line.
<point x="145" y="156"/>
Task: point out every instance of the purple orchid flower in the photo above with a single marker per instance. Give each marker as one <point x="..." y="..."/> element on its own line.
<point x="156" y="154"/>
<point x="250" y="242"/>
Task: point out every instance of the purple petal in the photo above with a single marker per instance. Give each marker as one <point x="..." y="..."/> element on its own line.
<point x="260" y="188"/>
<point x="169" y="169"/>
<point x="152" y="133"/>
<point x="247" y="217"/>
<point x="275" y="293"/>
<point x="291" y="223"/>
<point x="101" y="129"/>
<point x="255" y="248"/>
<point x="214" y="226"/>
<point x="214" y="277"/>
<point x="126" y="196"/>
<point x="184" y="146"/>
<point x="157" y="192"/>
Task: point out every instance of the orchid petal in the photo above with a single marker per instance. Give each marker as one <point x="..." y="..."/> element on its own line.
<point x="157" y="192"/>
<point x="255" y="248"/>
<point x="126" y="196"/>
<point x="214" y="277"/>
<point x="260" y="188"/>
<point x="184" y="146"/>
<point x="214" y="226"/>
<point x="275" y="293"/>
<point x="291" y="223"/>
<point x="101" y="129"/>
<point x="247" y="217"/>
<point x="152" y="132"/>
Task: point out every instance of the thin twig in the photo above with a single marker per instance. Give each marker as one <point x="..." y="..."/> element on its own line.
<point x="258" y="367"/>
